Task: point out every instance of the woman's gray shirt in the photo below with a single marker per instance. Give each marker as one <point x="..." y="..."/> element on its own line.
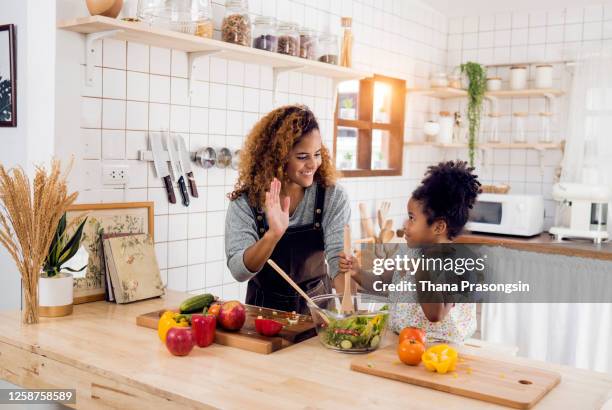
<point x="241" y="230"/>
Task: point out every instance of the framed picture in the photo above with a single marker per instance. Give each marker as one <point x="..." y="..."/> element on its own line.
<point x="125" y="217"/>
<point x="8" y="77"/>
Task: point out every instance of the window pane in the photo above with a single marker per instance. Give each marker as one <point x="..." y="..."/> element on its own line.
<point x="382" y="102"/>
<point x="346" y="148"/>
<point x="380" y="149"/>
<point x="348" y="98"/>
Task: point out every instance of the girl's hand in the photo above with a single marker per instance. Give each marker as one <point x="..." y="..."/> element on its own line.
<point x="349" y="263"/>
<point x="277" y="211"/>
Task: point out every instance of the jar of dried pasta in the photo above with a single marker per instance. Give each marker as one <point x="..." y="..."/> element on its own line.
<point x="236" y="26"/>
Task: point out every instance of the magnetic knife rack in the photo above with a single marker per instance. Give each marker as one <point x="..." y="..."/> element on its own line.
<point x="206" y="157"/>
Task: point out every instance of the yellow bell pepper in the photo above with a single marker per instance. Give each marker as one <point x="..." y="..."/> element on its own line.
<point x="440" y="358"/>
<point x="169" y="320"/>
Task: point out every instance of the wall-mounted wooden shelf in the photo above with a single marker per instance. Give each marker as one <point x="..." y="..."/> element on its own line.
<point x="440" y="92"/>
<point x="492" y="145"/>
<point x="447" y="92"/>
<point x="144" y="33"/>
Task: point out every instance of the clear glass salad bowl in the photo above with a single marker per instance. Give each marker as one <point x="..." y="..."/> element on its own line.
<point x="358" y="332"/>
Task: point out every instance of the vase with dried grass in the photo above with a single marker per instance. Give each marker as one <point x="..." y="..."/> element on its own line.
<point x="28" y="221"/>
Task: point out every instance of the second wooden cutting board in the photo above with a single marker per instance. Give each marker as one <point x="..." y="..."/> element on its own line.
<point x="247" y="338"/>
<point x="476" y="377"/>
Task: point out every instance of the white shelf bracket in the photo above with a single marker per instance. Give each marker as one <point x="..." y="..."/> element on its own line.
<point x="90" y="52"/>
<point x="550" y="102"/>
<point x="276" y="71"/>
<point x="193" y="56"/>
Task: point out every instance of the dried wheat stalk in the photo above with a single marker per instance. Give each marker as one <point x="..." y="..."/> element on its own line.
<point x="28" y="222"/>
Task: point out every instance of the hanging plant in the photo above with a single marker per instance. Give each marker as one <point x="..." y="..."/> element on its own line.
<point x="477" y="76"/>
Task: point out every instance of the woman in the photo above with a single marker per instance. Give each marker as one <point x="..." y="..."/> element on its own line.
<point x="285" y="207"/>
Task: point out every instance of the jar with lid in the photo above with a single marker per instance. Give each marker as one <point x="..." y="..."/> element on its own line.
<point x="493" y="134"/>
<point x="328" y="48"/>
<point x="544" y="76"/>
<point x="518" y="77"/>
<point x="308" y="43"/>
<point x="545" y="125"/>
<point x="288" y="39"/>
<point x="439" y="79"/>
<point x="446" y="121"/>
<point x="264" y="33"/>
<point x="518" y="128"/>
<point x="494" y="83"/>
<point x="236" y="26"/>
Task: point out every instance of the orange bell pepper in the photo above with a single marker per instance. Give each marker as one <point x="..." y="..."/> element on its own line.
<point x="440" y="358"/>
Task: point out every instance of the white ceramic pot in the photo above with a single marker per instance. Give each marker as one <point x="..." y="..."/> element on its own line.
<point x="518" y="77"/>
<point x="544" y="76"/>
<point x="431" y="128"/>
<point x="55" y="295"/>
<point x="494" y="84"/>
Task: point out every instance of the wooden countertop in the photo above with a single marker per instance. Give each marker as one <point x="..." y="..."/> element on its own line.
<point x="543" y="243"/>
<point x="101" y="352"/>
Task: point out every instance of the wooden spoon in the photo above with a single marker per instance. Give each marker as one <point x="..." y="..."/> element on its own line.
<point x="347" y="298"/>
<point x="294" y="285"/>
<point x="386" y="234"/>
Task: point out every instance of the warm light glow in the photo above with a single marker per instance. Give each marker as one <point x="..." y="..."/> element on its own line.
<point x="382" y="102"/>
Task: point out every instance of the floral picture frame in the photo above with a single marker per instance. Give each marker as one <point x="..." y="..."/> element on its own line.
<point x="110" y="218"/>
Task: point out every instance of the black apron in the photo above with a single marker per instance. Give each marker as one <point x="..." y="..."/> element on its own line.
<point x="300" y="253"/>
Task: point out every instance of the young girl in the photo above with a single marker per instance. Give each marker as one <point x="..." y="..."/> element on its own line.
<point x="437" y="212"/>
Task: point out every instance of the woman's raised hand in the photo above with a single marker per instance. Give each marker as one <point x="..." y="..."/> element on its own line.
<point x="277" y="211"/>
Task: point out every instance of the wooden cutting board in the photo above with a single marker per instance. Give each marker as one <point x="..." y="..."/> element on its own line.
<point x="480" y="378"/>
<point x="247" y="338"/>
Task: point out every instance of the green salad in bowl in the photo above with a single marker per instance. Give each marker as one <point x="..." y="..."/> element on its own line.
<point x="357" y="332"/>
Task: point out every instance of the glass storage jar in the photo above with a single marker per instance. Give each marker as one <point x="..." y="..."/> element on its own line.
<point x="518" y="128"/>
<point x="264" y="33"/>
<point x="236" y="26"/>
<point x="545" y="125"/>
<point x="308" y="43"/>
<point x="288" y="39"/>
<point x="182" y="15"/>
<point x="328" y="48"/>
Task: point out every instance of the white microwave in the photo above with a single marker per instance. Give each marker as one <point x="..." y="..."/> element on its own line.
<point x="507" y="214"/>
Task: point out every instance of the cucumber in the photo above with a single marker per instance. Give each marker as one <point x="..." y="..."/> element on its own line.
<point x="197" y="303"/>
<point x="346" y="344"/>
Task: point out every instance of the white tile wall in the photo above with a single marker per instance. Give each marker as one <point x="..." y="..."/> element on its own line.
<point x="139" y="88"/>
<point x="538" y="36"/>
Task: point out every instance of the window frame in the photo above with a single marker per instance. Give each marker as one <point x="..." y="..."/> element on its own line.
<point x="365" y="127"/>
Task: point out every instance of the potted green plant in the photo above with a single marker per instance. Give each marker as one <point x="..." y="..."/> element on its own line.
<point x="55" y="287"/>
<point x="347" y="109"/>
<point x="477" y="76"/>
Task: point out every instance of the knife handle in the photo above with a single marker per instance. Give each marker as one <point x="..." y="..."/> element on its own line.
<point x="183" y="191"/>
<point x="192" y="185"/>
<point x="169" y="189"/>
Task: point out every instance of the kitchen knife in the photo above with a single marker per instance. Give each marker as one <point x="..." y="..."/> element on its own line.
<point x="185" y="159"/>
<point x="161" y="166"/>
<point x="177" y="170"/>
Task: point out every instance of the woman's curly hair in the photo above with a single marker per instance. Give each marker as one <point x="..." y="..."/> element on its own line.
<point x="265" y="153"/>
<point x="448" y="192"/>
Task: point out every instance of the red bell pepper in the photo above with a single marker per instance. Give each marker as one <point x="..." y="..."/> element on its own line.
<point x="203" y="327"/>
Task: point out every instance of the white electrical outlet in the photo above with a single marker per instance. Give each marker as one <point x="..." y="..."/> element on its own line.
<point x="115" y="174"/>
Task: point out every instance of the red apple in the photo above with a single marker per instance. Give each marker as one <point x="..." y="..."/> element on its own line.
<point x="267" y="327"/>
<point x="179" y="341"/>
<point x="232" y="315"/>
